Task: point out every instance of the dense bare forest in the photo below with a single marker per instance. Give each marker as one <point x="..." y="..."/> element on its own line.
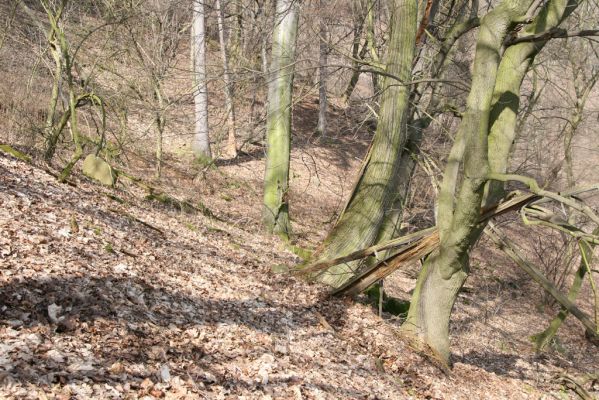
<point x="287" y="199"/>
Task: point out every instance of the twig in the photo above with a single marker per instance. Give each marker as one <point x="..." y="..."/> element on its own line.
<point x="126" y="214"/>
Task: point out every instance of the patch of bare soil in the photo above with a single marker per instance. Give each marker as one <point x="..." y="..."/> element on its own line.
<point x="106" y="295"/>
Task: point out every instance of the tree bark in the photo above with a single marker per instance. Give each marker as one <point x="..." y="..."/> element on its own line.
<point x="361" y="221"/>
<point x="357" y="53"/>
<point x="278" y="121"/>
<point x="483" y="144"/>
<point x="321" y="128"/>
<point x="445" y="270"/>
<point x="201" y="140"/>
<point x="229" y="105"/>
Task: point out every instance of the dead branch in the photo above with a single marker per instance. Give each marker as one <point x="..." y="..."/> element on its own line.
<point x="555" y="33"/>
<point x="509" y="249"/>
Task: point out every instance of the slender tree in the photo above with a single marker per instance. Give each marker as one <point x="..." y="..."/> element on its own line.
<point x="358" y="53"/>
<point x="201" y="139"/>
<point x="229" y="105"/>
<point x="278" y="121"/>
<point x="323" y="51"/>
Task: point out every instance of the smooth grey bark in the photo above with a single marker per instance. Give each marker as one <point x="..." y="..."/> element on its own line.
<point x="200" y="145"/>
<point x="278" y="120"/>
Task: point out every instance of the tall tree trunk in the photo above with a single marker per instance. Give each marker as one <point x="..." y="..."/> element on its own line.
<point x="482" y="144"/>
<point x="323" y="50"/>
<point x="278" y="120"/>
<point x="201" y="140"/>
<point x="229" y="106"/>
<point x="376" y="191"/>
<point x="417" y="123"/>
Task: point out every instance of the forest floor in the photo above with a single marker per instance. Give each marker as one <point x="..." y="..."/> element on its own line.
<point x="105" y="294"/>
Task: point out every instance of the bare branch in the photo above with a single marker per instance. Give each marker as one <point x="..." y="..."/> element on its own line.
<point x="555" y="33"/>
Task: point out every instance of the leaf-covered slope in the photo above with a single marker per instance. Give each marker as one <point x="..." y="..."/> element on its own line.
<point x="105" y="295"/>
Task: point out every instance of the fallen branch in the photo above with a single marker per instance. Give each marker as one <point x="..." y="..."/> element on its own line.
<point x="131" y="217"/>
<point x="412" y="252"/>
<point x="372" y="250"/>
<point x="508" y="248"/>
<point x="541" y="340"/>
<point x="573" y="385"/>
<point x="515" y="201"/>
<point x="423" y="245"/>
<point x="534" y="187"/>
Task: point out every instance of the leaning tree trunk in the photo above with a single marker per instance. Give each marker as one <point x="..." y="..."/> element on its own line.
<point x="482" y="145"/>
<point x="361" y="221"/>
<point x="201" y="140"/>
<point x="418" y="122"/>
<point x="278" y="120"/>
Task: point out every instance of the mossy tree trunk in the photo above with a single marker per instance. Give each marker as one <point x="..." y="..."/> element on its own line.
<point x="417" y="122"/>
<point x="421" y="120"/>
<point x="483" y="144"/>
<point x="376" y="191"/>
<point x="278" y="120"/>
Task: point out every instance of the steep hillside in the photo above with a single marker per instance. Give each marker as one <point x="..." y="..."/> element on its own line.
<point x="107" y="295"/>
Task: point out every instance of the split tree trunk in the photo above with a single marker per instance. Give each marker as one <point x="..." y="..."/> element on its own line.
<point x="361" y="221"/>
<point x="201" y="139"/>
<point x="278" y="120"/>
